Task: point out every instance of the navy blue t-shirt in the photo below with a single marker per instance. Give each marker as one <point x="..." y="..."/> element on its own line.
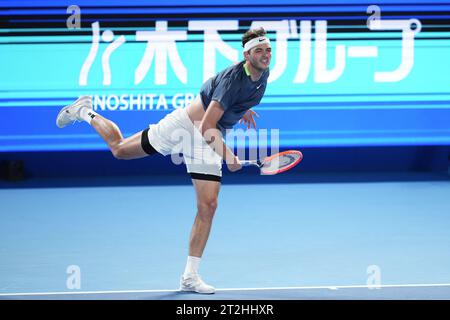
<point x="235" y="91"/>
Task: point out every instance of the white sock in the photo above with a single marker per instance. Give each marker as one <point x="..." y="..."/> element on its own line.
<point x="86" y="114"/>
<point x="192" y="265"/>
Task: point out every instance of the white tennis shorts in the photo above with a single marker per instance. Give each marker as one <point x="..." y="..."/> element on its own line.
<point x="175" y="134"/>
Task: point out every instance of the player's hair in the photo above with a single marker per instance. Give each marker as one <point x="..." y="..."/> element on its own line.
<point x="253" y="33"/>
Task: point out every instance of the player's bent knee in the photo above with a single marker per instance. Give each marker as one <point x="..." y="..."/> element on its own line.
<point x="119" y="152"/>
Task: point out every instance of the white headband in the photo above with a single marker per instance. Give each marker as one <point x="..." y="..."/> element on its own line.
<point x="255" y="42"/>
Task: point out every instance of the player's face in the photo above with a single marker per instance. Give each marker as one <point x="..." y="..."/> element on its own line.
<point x="260" y="56"/>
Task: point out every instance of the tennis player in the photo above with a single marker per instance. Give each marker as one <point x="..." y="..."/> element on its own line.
<point x="224" y="100"/>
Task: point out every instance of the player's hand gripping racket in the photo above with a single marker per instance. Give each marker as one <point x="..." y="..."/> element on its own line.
<point x="276" y="163"/>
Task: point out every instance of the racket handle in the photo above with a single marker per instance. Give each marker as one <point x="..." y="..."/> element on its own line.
<point x="246" y="163"/>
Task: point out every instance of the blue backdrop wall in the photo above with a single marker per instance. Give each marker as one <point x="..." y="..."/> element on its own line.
<point x="366" y="81"/>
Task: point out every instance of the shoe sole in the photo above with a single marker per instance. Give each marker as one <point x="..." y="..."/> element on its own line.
<point x="192" y="290"/>
<point x="67" y="107"/>
<point x="59" y="114"/>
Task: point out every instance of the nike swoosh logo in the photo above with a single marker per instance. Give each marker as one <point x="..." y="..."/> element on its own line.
<point x="260" y="40"/>
<point x="258" y="86"/>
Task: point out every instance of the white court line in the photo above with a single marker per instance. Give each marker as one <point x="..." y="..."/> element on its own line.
<point x="230" y="289"/>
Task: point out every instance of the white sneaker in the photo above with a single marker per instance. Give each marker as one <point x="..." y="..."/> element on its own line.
<point x="195" y="283"/>
<point x="70" y="113"/>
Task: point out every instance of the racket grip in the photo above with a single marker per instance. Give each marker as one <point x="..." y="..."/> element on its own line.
<point x="246" y="163"/>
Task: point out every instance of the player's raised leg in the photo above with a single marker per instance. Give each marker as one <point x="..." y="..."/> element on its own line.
<point x="121" y="148"/>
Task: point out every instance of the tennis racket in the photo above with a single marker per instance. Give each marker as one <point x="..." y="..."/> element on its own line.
<point x="276" y="163"/>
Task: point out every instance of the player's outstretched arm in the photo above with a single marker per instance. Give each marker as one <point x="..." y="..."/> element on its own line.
<point x="208" y="128"/>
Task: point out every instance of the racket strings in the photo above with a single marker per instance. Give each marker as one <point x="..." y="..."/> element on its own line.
<point x="279" y="163"/>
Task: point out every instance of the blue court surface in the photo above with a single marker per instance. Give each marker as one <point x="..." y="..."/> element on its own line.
<point x="314" y="237"/>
